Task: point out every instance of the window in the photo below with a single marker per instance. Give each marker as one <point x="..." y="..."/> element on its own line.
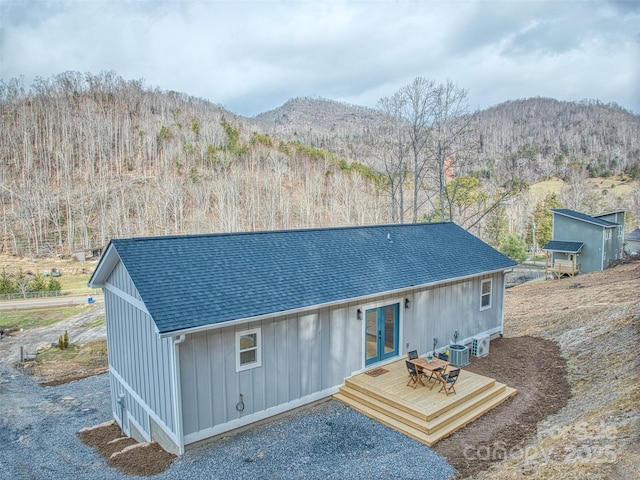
<point x="485" y="295"/>
<point x="248" y="349"/>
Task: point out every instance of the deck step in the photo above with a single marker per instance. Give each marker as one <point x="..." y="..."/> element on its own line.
<point x="417" y="421"/>
<point x="472" y="415"/>
<point x="385" y="419"/>
<point x="471" y="403"/>
<point x="401" y="403"/>
<point x="427" y="432"/>
<point x="399" y="414"/>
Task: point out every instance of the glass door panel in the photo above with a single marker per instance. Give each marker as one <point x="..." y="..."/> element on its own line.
<point x="372" y="336"/>
<point x="382" y="326"/>
<point x="390" y="323"/>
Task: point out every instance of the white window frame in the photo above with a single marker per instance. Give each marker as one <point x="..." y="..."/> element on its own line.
<point x="258" y="348"/>
<point x="489" y="294"/>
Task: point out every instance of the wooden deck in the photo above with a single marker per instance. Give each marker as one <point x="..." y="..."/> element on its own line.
<point x="561" y="268"/>
<point x="422" y="414"/>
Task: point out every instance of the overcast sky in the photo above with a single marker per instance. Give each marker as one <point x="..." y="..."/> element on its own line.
<point x="252" y="56"/>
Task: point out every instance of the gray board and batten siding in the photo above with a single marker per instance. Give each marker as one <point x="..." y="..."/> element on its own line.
<point x="307" y="356"/>
<point x="175" y="305"/>
<point x="140" y="363"/>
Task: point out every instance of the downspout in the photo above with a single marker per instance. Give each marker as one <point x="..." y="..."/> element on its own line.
<point x="602" y="252"/>
<point x="504" y="294"/>
<point x="177" y="397"/>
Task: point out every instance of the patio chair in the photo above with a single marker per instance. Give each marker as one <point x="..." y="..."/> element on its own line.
<point x="413" y="354"/>
<point x="448" y="381"/>
<point x="415" y="375"/>
<point x="443" y="356"/>
<point x="435" y="375"/>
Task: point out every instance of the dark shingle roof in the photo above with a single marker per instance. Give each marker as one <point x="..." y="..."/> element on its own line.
<point x="566" y="247"/>
<point x="584" y="217"/>
<point x="194" y="281"/>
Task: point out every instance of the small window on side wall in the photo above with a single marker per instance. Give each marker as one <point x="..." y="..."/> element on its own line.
<point x="248" y="349"/>
<point x="485" y="294"/>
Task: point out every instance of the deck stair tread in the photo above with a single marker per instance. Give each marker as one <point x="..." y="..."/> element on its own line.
<point x="419" y="421"/>
<point x="432" y="438"/>
<point x="417" y="403"/>
<point x="423" y="414"/>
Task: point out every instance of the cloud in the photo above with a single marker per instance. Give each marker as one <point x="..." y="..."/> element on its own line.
<point x="252" y="56"/>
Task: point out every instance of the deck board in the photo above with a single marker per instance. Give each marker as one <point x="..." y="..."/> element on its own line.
<point x="422" y="413"/>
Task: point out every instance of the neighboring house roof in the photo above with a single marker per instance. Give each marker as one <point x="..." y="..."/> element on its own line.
<point x="633" y="236"/>
<point x="565" y="247"/>
<point x="188" y="282"/>
<point x="583" y="217"/>
<point x="606" y="214"/>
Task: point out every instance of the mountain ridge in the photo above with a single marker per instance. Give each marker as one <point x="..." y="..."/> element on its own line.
<point x="85" y="158"/>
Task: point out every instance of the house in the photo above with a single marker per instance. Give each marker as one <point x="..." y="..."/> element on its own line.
<point x="208" y="333"/>
<point x="86" y="254"/>
<point x="583" y="243"/>
<point x="632" y="242"/>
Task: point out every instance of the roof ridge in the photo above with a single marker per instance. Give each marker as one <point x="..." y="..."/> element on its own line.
<point x="292" y="230"/>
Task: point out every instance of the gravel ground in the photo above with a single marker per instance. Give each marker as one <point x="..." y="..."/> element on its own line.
<point x="325" y="441"/>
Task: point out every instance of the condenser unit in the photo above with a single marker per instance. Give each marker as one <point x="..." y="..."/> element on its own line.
<point x="458" y="355"/>
<point x="480" y="347"/>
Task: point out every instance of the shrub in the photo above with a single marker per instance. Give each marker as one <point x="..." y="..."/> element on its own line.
<point x="514" y="247"/>
<point x="54" y="285"/>
<point x="6" y="284"/>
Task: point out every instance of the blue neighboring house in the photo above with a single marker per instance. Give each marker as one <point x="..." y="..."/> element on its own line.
<point x="632" y="242"/>
<point x="208" y="333"/>
<point x="583" y="243"/>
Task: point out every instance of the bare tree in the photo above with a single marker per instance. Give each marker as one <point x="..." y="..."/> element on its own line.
<point x="390" y="146"/>
<point x="449" y="141"/>
<point x="419" y="103"/>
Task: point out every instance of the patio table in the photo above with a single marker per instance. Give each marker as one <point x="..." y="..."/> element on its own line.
<point x="423" y="364"/>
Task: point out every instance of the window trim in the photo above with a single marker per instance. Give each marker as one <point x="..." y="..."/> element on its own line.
<point x="489" y="294"/>
<point x="258" y="348"/>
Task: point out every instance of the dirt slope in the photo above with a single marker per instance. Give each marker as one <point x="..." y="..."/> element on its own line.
<point x="595" y="320"/>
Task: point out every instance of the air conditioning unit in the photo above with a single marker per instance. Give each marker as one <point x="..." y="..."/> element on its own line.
<point x="458" y="355"/>
<point x="480" y="347"/>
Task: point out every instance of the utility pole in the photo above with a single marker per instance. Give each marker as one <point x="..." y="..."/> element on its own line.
<point x="533" y="230"/>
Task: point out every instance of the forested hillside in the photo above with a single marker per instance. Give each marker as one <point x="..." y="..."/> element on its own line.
<point x="85" y="158"/>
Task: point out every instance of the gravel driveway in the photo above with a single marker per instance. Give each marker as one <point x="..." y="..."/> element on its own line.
<point x="38" y="427"/>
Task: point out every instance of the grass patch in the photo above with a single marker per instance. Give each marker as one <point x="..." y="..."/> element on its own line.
<point x="82" y="354"/>
<point x="57" y="355"/>
<point x="57" y="366"/>
<point x="72" y="279"/>
<point x="75" y="284"/>
<point x="37" y="317"/>
<point x="540" y="190"/>
<point x="98" y="322"/>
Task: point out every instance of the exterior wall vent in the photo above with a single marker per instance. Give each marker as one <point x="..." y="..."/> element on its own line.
<point x="480" y="347"/>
